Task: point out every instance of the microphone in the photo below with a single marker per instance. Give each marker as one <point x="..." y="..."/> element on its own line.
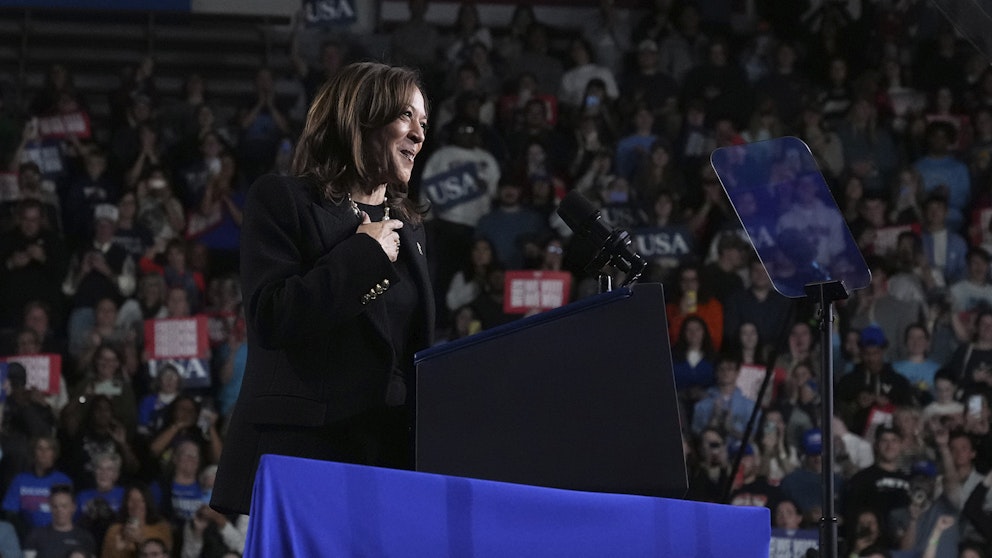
<point x="607" y="245"/>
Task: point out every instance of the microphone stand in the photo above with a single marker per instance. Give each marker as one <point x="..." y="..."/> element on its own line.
<point x="739" y="455"/>
<point x="827" y="292"/>
<point x="604" y="282"/>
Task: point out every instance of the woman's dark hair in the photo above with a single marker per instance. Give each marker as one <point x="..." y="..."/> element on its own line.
<point x="151" y="512"/>
<point x="680" y="348"/>
<point x="735" y="346"/>
<point x="468" y="269"/>
<point x="337" y="147"/>
<point x="105" y="346"/>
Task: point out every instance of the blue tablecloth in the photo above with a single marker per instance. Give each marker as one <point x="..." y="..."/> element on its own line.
<point x="307" y="508"/>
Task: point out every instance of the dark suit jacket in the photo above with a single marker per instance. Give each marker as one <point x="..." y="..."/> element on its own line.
<point x="318" y="337"/>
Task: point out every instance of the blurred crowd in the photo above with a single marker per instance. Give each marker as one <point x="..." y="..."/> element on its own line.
<point x="112" y="221"/>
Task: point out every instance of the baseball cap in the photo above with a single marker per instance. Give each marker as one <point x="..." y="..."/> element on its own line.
<point x="924" y="467"/>
<point x="873" y="336"/>
<point x="813" y="442"/>
<point x="735" y="446"/>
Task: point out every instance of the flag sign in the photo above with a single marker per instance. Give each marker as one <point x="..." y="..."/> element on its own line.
<point x="535" y="290"/>
<point x="669" y="245"/>
<point x="453" y="187"/>
<point x="328" y="12"/>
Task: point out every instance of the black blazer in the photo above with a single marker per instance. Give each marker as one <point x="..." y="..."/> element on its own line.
<point x="318" y="342"/>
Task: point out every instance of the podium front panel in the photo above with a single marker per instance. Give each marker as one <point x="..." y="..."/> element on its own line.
<point x="581" y="397"/>
<point x="303" y="507"/>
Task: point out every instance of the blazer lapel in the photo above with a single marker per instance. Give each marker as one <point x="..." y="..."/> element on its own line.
<point x="413" y="242"/>
<point x="334" y="223"/>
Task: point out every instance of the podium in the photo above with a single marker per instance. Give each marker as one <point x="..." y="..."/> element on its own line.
<point x="302" y="507"/>
<point x="581" y="397"/>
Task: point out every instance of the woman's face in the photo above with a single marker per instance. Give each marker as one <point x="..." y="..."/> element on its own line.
<point x="136" y="504"/>
<point x="944" y="390"/>
<point x="185" y="412"/>
<point x="694" y="334"/>
<point x="663" y="207"/>
<point x="482" y="254"/>
<point x="749" y="336"/>
<point x="917" y="341"/>
<point x="106" y="473"/>
<point x="800" y="339"/>
<point x="402" y="139"/>
<point x="169" y="383"/>
<point x="787" y="516"/>
<point x="106" y="313"/>
<point x="107" y="364"/>
<point x="151" y="290"/>
<point x="659" y="156"/>
<point x="128" y="206"/>
<point x="535" y="153"/>
<point x="801" y="374"/>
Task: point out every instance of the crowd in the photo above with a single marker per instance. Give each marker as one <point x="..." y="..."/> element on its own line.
<point x="136" y="217"/>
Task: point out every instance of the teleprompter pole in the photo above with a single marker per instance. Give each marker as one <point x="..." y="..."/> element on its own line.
<point x="826" y="293"/>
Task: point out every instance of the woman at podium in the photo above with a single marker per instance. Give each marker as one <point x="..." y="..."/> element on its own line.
<point x="337" y="296"/>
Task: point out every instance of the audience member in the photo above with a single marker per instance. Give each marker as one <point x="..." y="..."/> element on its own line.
<point x="26" y="500"/>
<point x="62" y="536"/>
<point x="138" y="523"/>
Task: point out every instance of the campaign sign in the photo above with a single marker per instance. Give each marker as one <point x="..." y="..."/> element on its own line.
<point x="669" y="245"/>
<point x="535" y="290"/>
<point x="453" y="187"/>
<point x="60" y="126"/>
<point x="43" y="371"/>
<point x="750" y="379"/>
<point x="47" y="154"/>
<point x="328" y="12"/>
<point x="792" y="545"/>
<point x="182" y="342"/>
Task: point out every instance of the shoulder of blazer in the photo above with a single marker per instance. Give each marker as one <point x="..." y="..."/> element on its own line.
<point x="274" y="191"/>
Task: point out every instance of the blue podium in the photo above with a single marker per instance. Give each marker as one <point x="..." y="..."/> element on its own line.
<point x="305" y="508"/>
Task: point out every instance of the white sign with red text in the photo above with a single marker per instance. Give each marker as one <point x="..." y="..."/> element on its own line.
<point x="525" y="291"/>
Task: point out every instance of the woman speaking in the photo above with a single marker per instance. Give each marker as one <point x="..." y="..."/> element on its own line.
<point x="337" y="297"/>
